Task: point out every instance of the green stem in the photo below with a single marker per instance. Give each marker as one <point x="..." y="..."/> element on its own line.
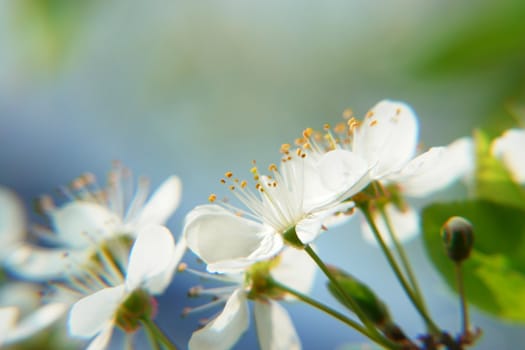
<point x="461" y="291"/>
<point x="158" y="335"/>
<point x="433" y="328"/>
<point x="355" y="307"/>
<point x="151" y="336"/>
<point x="335" y="314"/>
<point x="404" y="258"/>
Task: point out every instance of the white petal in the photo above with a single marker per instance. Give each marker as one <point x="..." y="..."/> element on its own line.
<point x="12" y="221"/>
<point x="436" y="169"/>
<point x="150" y="255"/>
<point x="101" y="341"/>
<point x="309" y="228"/>
<point x="274" y="327"/>
<point x="295" y="269"/>
<point x="42" y="264"/>
<point x="162" y="203"/>
<point x="78" y="223"/>
<point x="37" y="321"/>
<point x="223" y="331"/>
<point x="343" y="172"/>
<point x="227" y="242"/>
<point x="510" y="149"/>
<point x="388" y="137"/>
<point x="91" y="314"/>
<point x="157" y="284"/>
<point x="405" y="225"/>
<point x="8" y="318"/>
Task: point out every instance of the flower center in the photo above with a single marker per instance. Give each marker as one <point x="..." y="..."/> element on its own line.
<point x="138" y="305"/>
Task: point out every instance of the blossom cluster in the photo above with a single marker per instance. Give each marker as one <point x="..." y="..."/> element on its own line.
<point x="107" y="252"/>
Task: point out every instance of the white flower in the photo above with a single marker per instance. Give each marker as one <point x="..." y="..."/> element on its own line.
<point x="21" y="313"/>
<point x="274" y="328"/>
<point x="91" y="217"/>
<point x="509" y="148"/>
<point x="152" y="261"/>
<point x="387" y="140"/>
<point x="12" y="222"/>
<point x="291" y="200"/>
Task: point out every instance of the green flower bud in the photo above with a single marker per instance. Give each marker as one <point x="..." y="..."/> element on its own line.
<point x="458" y="237"/>
<point x="373" y="307"/>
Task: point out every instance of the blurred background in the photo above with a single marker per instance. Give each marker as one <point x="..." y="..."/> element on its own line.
<point x="199" y="88"/>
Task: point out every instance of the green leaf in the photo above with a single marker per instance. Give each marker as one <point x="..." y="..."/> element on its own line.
<point x="370" y="304"/>
<point x="493" y="180"/>
<point x="494" y="275"/>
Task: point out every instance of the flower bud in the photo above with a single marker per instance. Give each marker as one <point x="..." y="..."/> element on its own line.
<point x="373" y="307"/>
<point x="458" y="237"/>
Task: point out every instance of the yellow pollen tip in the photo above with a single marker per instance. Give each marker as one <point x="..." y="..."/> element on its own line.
<point x="308" y="132"/>
<point x="272" y="167"/>
<point x="212" y="198"/>
<point x="285" y="147"/>
<point x="373" y="122"/>
<point x="223" y="181"/>
<point x="340" y="128"/>
<point x="348" y="113"/>
<point x="253" y="170"/>
<point x="228" y="174"/>
<point x="369" y="114"/>
<point x="244" y="183"/>
<point x="398" y="111"/>
<point x="326" y="127"/>
<point x="232" y="188"/>
<point x="182" y="267"/>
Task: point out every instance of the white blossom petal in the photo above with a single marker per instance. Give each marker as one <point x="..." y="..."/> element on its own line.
<point x="227" y="242"/>
<point x="275" y="330"/>
<point x="101" y="341"/>
<point x="93" y="313"/>
<point x="295" y="269"/>
<point x="157" y="284"/>
<point x="41" y="264"/>
<point x="310" y="227"/>
<point x="150" y="255"/>
<point x="510" y="147"/>
<point x="162" y="203"/>
<point x="405" y="224"/>
<point x="8" y="318"/>
<point x="387" y="138"/>
<point x="12" y="221"/>
<point x="79" y="223"/>
<point x="38" y="320"/>
<point x="436" y="169"/>
<point x="224" y="331"/>
<point x="343" y="172"/>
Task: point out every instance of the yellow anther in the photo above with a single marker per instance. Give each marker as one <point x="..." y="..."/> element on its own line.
<point x="232" y="188"/>
<point x="369" y="114"/>
<point x="223" y="181"/>
<point x="272" y="167"/>
<point x="373" y="122"/>
<point x="340" y="128"/>
<point x="348" y="113"/>
<point x="228" y="174"/>
<point x="398" y="111"/>
<point x="253" y="170"/>
<point x="244" y="183"/>
<point x="212" y="198"/>
<point x="182" y="267"/>
<point x="285" y="147"/>
<point x="326" y="126"/>
<point x="300" y="141"/>
<point x="308" y="132"/>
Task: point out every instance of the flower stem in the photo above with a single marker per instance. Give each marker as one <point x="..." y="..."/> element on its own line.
<point x="158" y="335"/>
<point x="433" y="328"/>
<point x="355" y="307"/>
<point x="151" y="336"/>
<point x="335" y="314"/>
<point x="461" y="291"/>
<point x="403" y="257"/>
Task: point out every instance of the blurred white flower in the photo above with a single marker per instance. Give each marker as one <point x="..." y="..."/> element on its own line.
<point x="22" y="314"/>
<point x="92" y="216"/>
<point x="152" y="262"/>
<point x="291" y="200"/>
<point x="509" y="147"/>
<point x="12" y="222"/>
<point x="275" y="330"/>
